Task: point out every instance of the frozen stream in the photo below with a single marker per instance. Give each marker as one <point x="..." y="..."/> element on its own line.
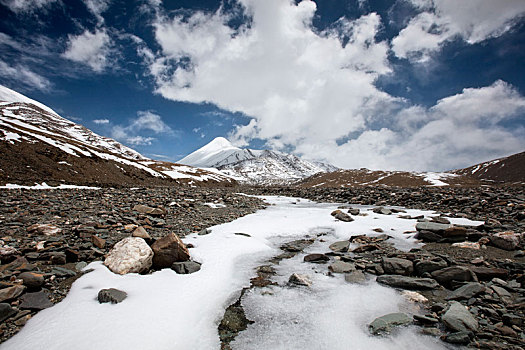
<point x="165" y="310"/>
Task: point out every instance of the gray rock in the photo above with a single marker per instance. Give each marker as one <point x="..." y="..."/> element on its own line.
<point x="430" y="265"/>
<point x="11" y="292"/>
<point x="186" y="267"/>
<point x="343" y="217"/>
<point x="6" y="311"/>
<point x="35" y="301"/>
<point x="459" y="319"/>
<point x="80" y="265"/>
<point x="385" y="324"/>
<point x="467" y="291"/>
<point x="397" y="266"/>
<point x="425" y="319"/>
<point x="453" y="273"/>
<point x="340" y="247"/>
<point x="406" y="282"/>
<point x="32" y="280"/>
<point x="501" y="292"/>
<point x="381" y="210"/>
<point x="316" y="258"/>
<point x="353" y="211"/>
<point x="300" y="280"/>
<point x="296" y="246"/>
<point x="62" y="272"/>
<point x="428" y="236"/>
<point x="204" y="231"/>
<point x="458" y="338"/>
<point x="111" y="295"/>
<point x="355" y="277"/>
<point x="432" y="226"/>
<point x="341" y="267"/>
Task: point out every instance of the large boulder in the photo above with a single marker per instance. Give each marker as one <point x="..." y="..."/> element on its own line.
<point x="130" y="255"/>
<point x="385" y="324"/>
<point x="506" y="240"/>
<point x="467" y="291"/>
<point x="406" y="282"/>
<point x="459" y="319"/>
<point x="397" y="266"/>
<point x="167" y="250"/>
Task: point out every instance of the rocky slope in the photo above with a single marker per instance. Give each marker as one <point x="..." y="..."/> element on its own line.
<point x="37" y="145"/>
<point x="256" y="167"/>
<point x="509" y="169"/>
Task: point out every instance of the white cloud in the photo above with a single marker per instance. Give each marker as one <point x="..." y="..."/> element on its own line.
<point x="25" y="77"/>
<point x="27" y="6"/>
<point x="97" y="7"/>
<point x="146" y="121"/>
<point x="443" y="20"/>
<point x="101" y="121"/>
<point x="89" y="48"/>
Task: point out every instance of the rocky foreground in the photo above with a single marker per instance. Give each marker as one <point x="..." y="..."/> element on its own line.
<point x="470" y="278"/>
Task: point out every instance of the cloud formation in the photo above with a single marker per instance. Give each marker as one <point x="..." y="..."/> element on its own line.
<point x="314" y="91"/>
<point x="146" y="121"/>
<point x="25" y="76"/>
<point x="101" y="121"/>
<point x="91" y="49"/>
<point x="27" y="6"/>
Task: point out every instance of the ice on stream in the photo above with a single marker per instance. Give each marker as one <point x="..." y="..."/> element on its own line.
<point x="165" y="310"/>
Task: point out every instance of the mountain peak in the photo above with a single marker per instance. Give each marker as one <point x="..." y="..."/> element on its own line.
<point x="8" y="95"/>
<point x="218" y="143"/>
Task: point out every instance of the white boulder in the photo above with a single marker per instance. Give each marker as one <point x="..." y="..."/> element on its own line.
<point x="130" y="255"/>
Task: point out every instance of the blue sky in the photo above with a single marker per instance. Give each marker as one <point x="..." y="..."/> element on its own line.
<point x="406" y="84"/>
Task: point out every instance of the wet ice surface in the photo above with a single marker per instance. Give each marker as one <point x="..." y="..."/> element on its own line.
<point x="169" y="311"/>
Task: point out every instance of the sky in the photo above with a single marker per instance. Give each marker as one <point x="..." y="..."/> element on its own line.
<point x="425" y="85"/>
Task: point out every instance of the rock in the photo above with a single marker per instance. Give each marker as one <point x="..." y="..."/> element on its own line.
<point x="458" y="338"/>
<point x="143" y="209"/>
<point x="11" y="292"/>
<point x="456" y="232"/>
<point x="488" y="273"/>
<point x="186" y="267"/>
<point x="427" y="236"/>
<point x="167" y="250"/>
<point x="453" y="273"/>
<point x="343" y="217"/>
<point x="459" y="319"/>
<point x="467" y="291"/>
<point x="296" y="246"/>
<point x="80" y="266"/>
<point x="35" y="301"/>
<point x="62" y="272"/>
<point x="301" y="280"/>
<point x="6" y="311"/>
<point x="355" y="277"/>
<point x="512" y="320"/>
<point x="501" y="292"/>
<point x="385" y="324"/>
<point x="425" y="319"/>
<point x="130" y="255"/>
<point x="414" y="297"/>
<point x="508" y="240"/>
<point x="353" y="211"/>
<point x="340" y="247"/>
<point x="111" y="295"/>
<point x="430" y="265"/>
<point x="98" y="242"/>
<point x="366" y="248"/>
<point x="507" y="331"/>
<point x="407" y="282"/>
<point x="341" y="267"/>
<point x="44" y="229"/>
<point x="468" y="245"/>
<point x="397" y="266"/>
<point x="32" y="280"/>
<point x="316" y="258"/>
<point x="432" y="226"/>
<point x="204" y="231"/>
<point x="381" y="210"/>
<point x="58" y="258"/>
<point x="141" y="233"/>
<point x="19" y="264"/>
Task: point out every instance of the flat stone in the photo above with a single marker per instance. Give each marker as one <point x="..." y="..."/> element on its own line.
<point x="32" y="280"/>
<point x="141" y="233"/>
<point x="455" y="231"/>
<point x="397" y="266"/>
<point x="44" y="229"/>
<point x="296" y="246"/>
<point x="385" y="324"/>
<point x="11" y="292"/>
<point x="353" y="211"/>
<point x="453" y="273"/>
<point x="430" y="265"/>
<point x="467" y="245"/>
<point x="432" y="226"/>
<point x="144" y="209"/>
<point x="62" y="272"/>
<point x="467" y="291"/>
<point x="130" y="255"/>
<point x="425" y="319"/>
<point x="316" y="258"/>
<point x="6" y="311"/>
<point x="204" y="231"/>
<point x="458" y="318"/>
<point x="35" y="301"/>
<point x="462" y="338"/>
<point x="383" y="211"/>
<point x="341" y="267"/>
<point x="488" y="273"/>
<point x="356" y="276"/>
<point x="186" y="267"/>
<point x="301" y="280"/>
<point x="508" y="240"/>
<point x="427" y="236"/>
<point x="340" y="247"/>
<point x="343" y="217"/>
<point x="167" y="250"/>
<point x="111" y="295"/>
<point x="406" y="282"/>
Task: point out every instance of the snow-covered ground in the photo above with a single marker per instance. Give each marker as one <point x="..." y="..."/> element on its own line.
<point x="165" y="310"/>
<point x="44" y="186"/>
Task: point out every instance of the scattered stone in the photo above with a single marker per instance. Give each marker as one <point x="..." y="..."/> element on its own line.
<point x="62" y="272"/>
<point x="58" y="258"/>
<point x="186" y="267"/>
<point x="354" y="211"/>
<point x="130" y="255"/>
<point x="204" y="231"/>
<point x="406" y="282"/>
<point x="11" y="292"/>
<point x="425" y="319"/>
<point x="381" y="210"/>
<point x="343" y="217"/>
<point x="432" y="226"/>
<point x="341" y="267"/>
<point x="462" y="338"/>
<point x="299" y="279"/>
<point x="80" y="266"/>
<point x="141" y="233"/>
<point x="167" y="250"/>
<point x="428" y="236"/>
<point x="98" y="242"/>
<point x="458" y="318"/>
<point x="32" y="280"/>
<point x="385" y="324"/>
<point x="316" y="258"/>
<point x="44" y="229"/>
<point x="508" y="240"/>
<point x="6" y="311"/>
<point x="297" y="245"/>
<point x="356" y="276"/>
<point x="468" y="245"/>
<point x="467" y="291"/>
<point x="35" y="301"/>
<point x="366" y="248"/>
<point x="430" y="265"/>
<point x="455" y="232"/>
<point x="397" y="266"/>
<point x="340" y="247"/>
<point x="488" y="273"/>
<point x="453" y="273"/>
<point x="143" y="209"/>
<point x="414" y="297"/>
<point x="111" y="295"/>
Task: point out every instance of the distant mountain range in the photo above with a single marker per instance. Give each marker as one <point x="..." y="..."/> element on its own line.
<point x="37" y="145"/>
<point x="255" y="167"/>
<point x="507" y="169"/>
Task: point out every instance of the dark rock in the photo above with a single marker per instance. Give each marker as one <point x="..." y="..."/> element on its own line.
<point x="233" y="322"/>
<point x="383" y="211"/>
<point x="355" y="277"/>
<point x="35" y="301"/>
<point x="57" y="258"/>
<point x="167" y="250"/>
<point x="340" y="247"/>
<point x="204" y="231"/>
<point x="353" y="211"/>
<point x="186" y="267"/>
<point x="385" y="324"/>
<point x="432" y="226"/>
<point x="111" y="295"/>
<point x="430" y="265"/>
<point x="458" y="338"/>
<point x="296" y="246"/>
<point x="456" y="232"/>
<point x="512" y="320"/>
<point x="467" y="291"/>
<point x="488" y="273"/>
<point x="458" y="318"/>
<point x="316" y="258"/>
<point x="397" y="266"/>
<point x="407" y="282"/>
<point x="11" y="292"/>
<point x="343" y="217"/>
<point x="62" y="272"/>
<point x="6" y="311"/>
<point x="453" y="273"/>
<point x="428" y="236"/>
<point x="341" y="267"/>
<point x="242" y="234"/>
<point x="98" y="242"/>
<point x="32" y="280"/>
<point x="508" y="240"/>
<point x="425" y="319"/>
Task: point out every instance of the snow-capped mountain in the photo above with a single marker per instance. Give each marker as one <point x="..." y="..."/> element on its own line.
<point x="38" y="145"/>
<point x="254" y="166"/>
<point x="506" y="169"/>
